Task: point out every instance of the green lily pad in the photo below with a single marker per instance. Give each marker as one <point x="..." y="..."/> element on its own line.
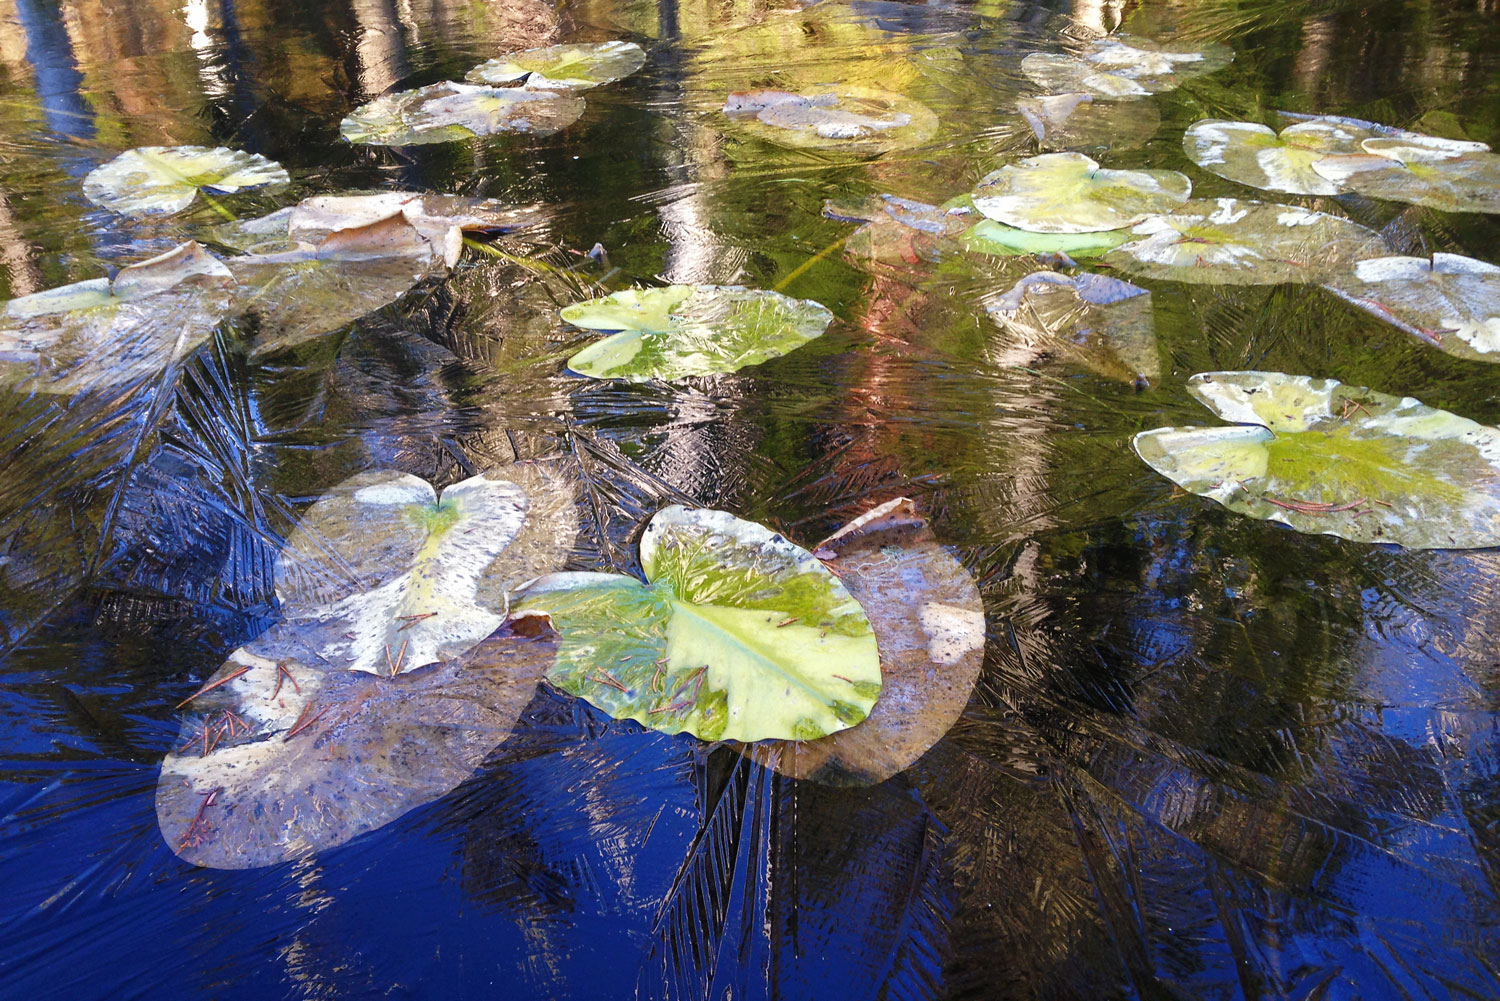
<point x="684" y="330"/>
<point x="1102" y="323"/>
<point x="562" y="67"/>
<point x="1070" y="193"/>
<point x="1447" y="300"/>
<point x="1325" y="458"/>
<point x="929" y="624"/>
<point x="1121" y="66"/>
<point x="740" y="635"/>
<point x="447" y="112"/>
<point x="1079" y="121"/>
<point x="1225" y="241"/>
<point x="312" y="290"/>
<point x="991" y="237"/>
<point x="153" y="179"/>
<point x="1258" y="156"/>
<point x="856" y="119"/>
<point x="391" y="677"/>
<point x="103" y="332"/>
<point x="1443" y="174"/>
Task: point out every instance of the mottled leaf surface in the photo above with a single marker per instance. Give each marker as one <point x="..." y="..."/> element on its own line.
<point x="929" y="625"/>
<point x="102" y="332"/>
<point x="164" y="179"/>
<point x="389" y="679"/>
<point x="448" y="112"/>
<point x="1120" y="66"/>
<point x="1327" y="458"/>
<point x="1436" y="173"/>
<point x="578" y="66"/>
<point x="1447" y="300"/>
<point x="684" y="330"/>
<point x="856" y="119"/>
<point x="1225" y="241"/>
<point x="1070" y="193"/>
<point x="739" y="635"/>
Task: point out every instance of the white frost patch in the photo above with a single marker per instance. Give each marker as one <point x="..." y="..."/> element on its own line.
<point x="1228" y="212"/>
<point x="1292" y="218"/>
<point x="1386" y="269"/>
<point x="951" y="631"/>
<point x="1112" y="85"/>
<point x="405" y="490"/>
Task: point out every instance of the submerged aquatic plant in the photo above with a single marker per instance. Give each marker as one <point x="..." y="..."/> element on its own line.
<point x="391" y="676"/>
<point x="106" y="332"/>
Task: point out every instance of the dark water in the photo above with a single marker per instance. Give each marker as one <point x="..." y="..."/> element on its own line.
<point x="1207" y="757"/>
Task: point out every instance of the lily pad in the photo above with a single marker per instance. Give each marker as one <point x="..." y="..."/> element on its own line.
<point x="1079" y="121"/>
<point x="1105" y="324"/>
<point x="447" y="112"/>
<point x="857" y="119"/>
<point x="103" y="332"/>
<point x="1258" y="156"/>
<point x="306" y="737"/>
<point x="1122" y="66"/>
<point x="740" y="635"/>
<point x="303" y="293"/>
<point x="153" y="179"/>
<point x="1448" y="300"/>
<point x="929" y="624"/>
<point x="1340" y="460"/>
<point x="684" y="330"/>
<point x="1070" y="193"/>
<point x="1443" y="174"/>
<point x="435" y="218"/>
<point x="1225" y="241"/>
<point x="562" y="67"/>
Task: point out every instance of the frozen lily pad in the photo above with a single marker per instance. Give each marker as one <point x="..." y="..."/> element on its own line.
<point x="439" y="219"/>
<point x="1103" y="323"/>
<point x="1448" y="300"/>
<point x="683" y="330"/>
<point x="446" y="112"/>
<point x="299" y="294"/>
<point x="99" y="332"/>
<point x="291" y="755"/>
<point x="858" y="119"/>
<point x="562" y="67"/>
<point x="1123" y="66"/>
<point x="1225" y="241"/>
<point x="990" y="237"/>
<point x="414" y="578"/>
<point x="1258" y="156"/>
<point x="1327" y="458"/>
<point x="391" y="677"/>
<point x="167" y="178"/>
<point x="740" y="635"/>
<point x="1070" y="193"/>
<point x="929" y="624"/>
<point x="1078" y="121"/>
<point x="1443" y="174"/>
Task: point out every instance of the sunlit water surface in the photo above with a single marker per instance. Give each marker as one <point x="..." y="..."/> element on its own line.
<point x="1207" y="757"/>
